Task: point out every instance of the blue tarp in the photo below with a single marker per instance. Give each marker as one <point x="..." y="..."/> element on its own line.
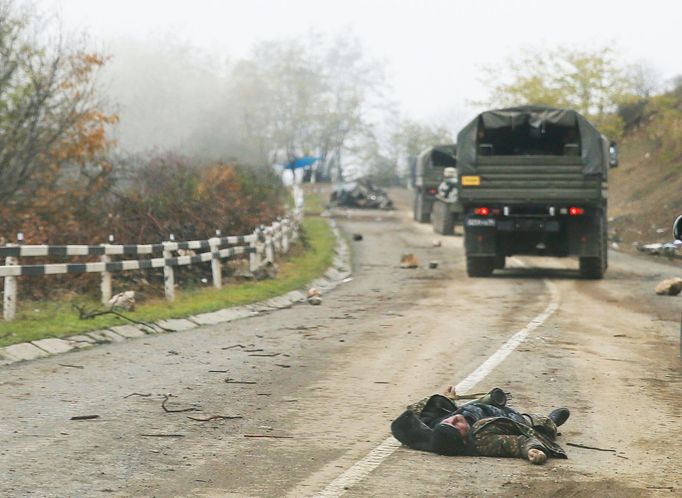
<point x="302" y="162"/>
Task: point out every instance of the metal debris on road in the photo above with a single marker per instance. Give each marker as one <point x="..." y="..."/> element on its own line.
<point x="357" y="236"/>
<point x="85" y="417"/>
<point x="216" y="417"/>
<point x="433" y="264"/>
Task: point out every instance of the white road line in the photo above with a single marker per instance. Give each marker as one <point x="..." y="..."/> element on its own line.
<point x="362" y="468"/>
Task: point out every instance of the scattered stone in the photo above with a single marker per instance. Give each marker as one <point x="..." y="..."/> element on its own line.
<point x="357" y="236"/>
<point x="669" y="287"/>
<point x="314" y="297"/>
<point x="433" y="264"/>
<point x="437" y="243"/>
<point x="409" y="260"/>
<point x="124" y="300"/>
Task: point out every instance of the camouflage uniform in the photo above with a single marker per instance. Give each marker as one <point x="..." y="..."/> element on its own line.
<point x="503" y="432"/>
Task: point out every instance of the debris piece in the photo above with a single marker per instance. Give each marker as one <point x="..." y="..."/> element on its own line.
<point x="234" y="346"/>
<point x="137" y="394"/>
<point x="314" y="296"/>
<point x="437" y="243"/>
<point x="620" y="335"/>
<point x="166" y="397"/>
<point x="360" y="193"/>
<point x="266" y="355"/>
<point x="85" y="417"/>
<point x="162" y="435"/>
<point x="234" y="381"/>
<point x="668" y="249"/>
<point x="357" y="236"/>
<point x="409" y="260"/>
<point x="218" y="371"/>
<point x="347" y="279"/>
<point x="589" y="447"/>
<point x="282" y="365"/>
<point x="273" y="436"/>
<point x="215" y="417"/>
<point x="669" y="287"/>
<point x="123" y="300"/>
<point x="252" y="350"/>
<point x="433" y="264"/>
<point x="70" y="366"/>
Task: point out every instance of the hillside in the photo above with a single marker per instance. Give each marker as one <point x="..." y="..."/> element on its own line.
<point x="644" y="192"/>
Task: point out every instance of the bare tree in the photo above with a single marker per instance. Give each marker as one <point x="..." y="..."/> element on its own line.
<point x="46" y="89"/>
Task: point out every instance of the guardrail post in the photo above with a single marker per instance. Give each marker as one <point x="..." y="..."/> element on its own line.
<point x="216" y="268"/>
<point x="105" y="284"/>
<point x="169" y="276"/>
<point x="285" y="235"/>
<point x="9" y="308"/>
<point x="254" y="256"/>
<point x="269" y="246"/>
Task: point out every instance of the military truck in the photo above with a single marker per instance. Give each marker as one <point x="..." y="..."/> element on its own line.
<point x="428" y="175"/>
<point x="532" y="181"/>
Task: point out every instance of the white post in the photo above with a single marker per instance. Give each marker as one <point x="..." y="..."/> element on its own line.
<point x="105" y="285"/>
<point x="254" y="257"/>
<point x="216" y="268"/>
<point x="285" y="235"/>
<point x="9" y="308"/>
<point x="269" y="246"/>
<point x="169" y="276"/>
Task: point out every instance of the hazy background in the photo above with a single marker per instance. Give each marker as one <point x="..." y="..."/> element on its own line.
<point x="167" y="56"/>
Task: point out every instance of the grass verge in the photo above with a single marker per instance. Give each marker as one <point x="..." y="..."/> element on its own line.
<point x="58" y="319"/>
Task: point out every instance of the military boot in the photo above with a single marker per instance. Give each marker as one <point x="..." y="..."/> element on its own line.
<point x="559" y="416"/>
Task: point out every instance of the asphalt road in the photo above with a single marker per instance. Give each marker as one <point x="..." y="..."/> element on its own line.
<point x="317" y="386"/>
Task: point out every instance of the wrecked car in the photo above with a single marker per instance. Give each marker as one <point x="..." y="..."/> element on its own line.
<point x="359" y="194"/>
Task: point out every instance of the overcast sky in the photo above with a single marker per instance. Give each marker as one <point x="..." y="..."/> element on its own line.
<point x="434" y="48"/>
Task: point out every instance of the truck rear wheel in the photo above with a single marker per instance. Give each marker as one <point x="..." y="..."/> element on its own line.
<point x="592" y="268"/>
<point x="480" y="266"/>
<point x="421" y="215"/>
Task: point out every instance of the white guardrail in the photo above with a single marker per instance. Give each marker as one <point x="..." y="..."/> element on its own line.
<point x="261" y="246"/>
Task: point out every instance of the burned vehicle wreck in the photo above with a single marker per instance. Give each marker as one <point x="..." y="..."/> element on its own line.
<point x="359" y="194"/>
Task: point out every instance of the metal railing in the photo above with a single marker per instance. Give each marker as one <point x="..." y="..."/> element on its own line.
<point x="261" y="246"/>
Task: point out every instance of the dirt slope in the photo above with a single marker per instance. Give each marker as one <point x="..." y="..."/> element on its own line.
<point x="644" y="194"/>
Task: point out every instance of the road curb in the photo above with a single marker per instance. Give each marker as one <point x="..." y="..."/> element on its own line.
<point x="43" y="348"/>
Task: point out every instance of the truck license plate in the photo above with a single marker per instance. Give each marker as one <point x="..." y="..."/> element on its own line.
<point x="480" y="222"/>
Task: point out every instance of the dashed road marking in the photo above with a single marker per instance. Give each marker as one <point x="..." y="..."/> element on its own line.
<point x="374" y="458"/>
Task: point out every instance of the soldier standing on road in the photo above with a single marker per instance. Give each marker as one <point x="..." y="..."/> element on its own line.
<point x="485" y="427"/>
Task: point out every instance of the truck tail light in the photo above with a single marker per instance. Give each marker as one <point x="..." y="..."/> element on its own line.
<point x="433" y="191"/>
<point x="575" y="211"/>
<point x="481" y="211"/>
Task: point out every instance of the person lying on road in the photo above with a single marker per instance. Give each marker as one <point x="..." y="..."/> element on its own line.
<point x="484" y="427"/>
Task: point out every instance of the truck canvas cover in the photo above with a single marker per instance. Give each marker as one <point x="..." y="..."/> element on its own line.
<point x="535" y="119"/>
<point x="439" y="155"/>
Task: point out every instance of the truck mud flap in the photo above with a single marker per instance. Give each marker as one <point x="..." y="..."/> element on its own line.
<point x="585" y="237"/>
<point x="480" y="237"/>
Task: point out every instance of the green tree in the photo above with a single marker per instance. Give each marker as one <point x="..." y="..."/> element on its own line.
<point x="591" y="81"/>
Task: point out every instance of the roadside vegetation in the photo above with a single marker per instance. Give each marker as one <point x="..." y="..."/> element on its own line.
<point x="305" y="262"/>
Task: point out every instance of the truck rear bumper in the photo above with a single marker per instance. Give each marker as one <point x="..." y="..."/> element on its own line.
<point x="546" y="236"/>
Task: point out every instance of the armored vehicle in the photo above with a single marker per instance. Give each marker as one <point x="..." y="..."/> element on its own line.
<point x="532" y="180"/>
<point x="428" y="175"/>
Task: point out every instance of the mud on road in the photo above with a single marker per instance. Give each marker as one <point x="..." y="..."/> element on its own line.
<point x="317" y="386"/>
